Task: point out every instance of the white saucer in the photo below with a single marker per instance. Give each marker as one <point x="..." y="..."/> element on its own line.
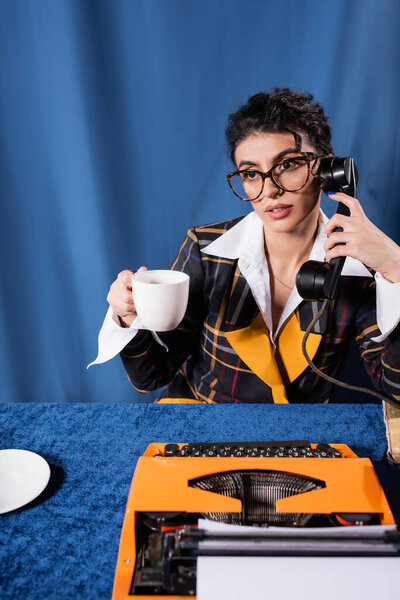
<point x="23" y="476"/>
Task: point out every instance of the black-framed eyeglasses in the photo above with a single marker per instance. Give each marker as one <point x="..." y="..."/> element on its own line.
<point x="290" y="175"/>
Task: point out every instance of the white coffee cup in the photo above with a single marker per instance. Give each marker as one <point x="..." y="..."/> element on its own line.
<point x="160" y="298"/>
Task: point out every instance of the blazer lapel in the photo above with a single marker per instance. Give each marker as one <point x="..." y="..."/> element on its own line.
<point x="289" y="346"/>
<point x="306" y="311"/>
<point x="253" y="345"/>
<point x="241" y="308"/>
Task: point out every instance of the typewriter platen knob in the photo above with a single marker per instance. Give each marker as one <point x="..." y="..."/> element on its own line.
<point x="171" y="450"/>
<point x="323" y="447"/>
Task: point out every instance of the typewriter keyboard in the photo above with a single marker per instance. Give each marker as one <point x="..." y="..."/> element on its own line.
<point x="296" y="449"/>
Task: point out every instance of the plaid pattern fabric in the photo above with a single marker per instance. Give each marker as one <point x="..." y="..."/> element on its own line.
<point x="203" y="366"/>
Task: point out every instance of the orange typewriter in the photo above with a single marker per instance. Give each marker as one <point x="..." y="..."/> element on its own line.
<point x="272" y="486"/>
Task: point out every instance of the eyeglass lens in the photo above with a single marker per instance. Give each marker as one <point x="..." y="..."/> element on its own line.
<point x="290" y="174"/>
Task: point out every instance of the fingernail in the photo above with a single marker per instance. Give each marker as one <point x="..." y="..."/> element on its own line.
<point x="331" y="193"/>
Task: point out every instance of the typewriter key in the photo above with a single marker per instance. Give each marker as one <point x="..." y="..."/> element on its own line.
<point x="171" y="450"/>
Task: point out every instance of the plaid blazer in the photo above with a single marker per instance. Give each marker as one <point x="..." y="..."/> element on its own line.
<point x="221" y="351"/>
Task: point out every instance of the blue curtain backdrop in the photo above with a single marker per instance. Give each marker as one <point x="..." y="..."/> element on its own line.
<point x="112" y="117"/>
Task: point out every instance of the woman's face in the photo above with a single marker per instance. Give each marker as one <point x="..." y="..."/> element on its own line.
<point x="261" y="151"/>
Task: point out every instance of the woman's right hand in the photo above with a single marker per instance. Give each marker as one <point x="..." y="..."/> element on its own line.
<point x="120" y="297"/>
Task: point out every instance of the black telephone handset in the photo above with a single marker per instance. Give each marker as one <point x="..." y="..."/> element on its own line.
<point x="319" y="280"/>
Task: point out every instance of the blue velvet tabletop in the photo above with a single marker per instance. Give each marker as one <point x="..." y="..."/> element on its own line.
<point x="65" y="544"/>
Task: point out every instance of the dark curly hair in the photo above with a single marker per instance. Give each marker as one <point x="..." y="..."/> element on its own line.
<point x="280" y="110"/>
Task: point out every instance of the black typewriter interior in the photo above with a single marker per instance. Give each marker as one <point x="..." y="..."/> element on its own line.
<point x="258" y="490"/>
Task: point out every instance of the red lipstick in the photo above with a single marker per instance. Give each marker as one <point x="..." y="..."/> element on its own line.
<point x="278" y="211"/>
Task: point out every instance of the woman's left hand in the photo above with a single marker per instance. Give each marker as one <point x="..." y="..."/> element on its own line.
<point x="361" y="240"/>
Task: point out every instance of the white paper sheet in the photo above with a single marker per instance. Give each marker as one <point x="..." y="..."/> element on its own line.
<point x="297" y="578"/>
<point x="215" y="526"/>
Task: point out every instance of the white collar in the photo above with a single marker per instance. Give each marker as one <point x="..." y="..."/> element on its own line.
<point x="245" y="241"/>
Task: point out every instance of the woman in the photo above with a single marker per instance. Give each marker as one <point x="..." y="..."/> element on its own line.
<point x="240" y="340"/>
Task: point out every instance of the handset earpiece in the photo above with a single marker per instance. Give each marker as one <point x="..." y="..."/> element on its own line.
<point x="338" y="175"/>
<point x="319" y="280"/>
